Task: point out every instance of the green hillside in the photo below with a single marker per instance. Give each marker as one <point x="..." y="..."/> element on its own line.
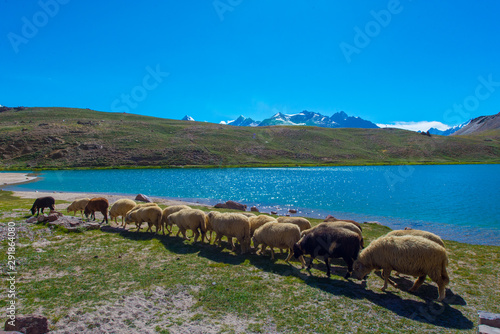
<point x="69" y="138"/>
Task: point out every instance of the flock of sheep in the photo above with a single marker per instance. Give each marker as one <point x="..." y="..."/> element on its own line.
<point x="411" y="252"/>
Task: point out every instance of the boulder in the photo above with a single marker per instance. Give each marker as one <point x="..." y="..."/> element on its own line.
<point x="52" y="217"/>
<point x="32" y="220"/>
<point x="28" y="324"/>
<point x="292" y="211"/>
<point x="42" y="218"/>
<point x="143" y="198"/>
<point x="231" y="205"/>
<point x="254" y="209"/>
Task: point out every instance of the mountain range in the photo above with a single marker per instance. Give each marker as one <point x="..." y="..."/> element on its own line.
<point x="337" y="120"/>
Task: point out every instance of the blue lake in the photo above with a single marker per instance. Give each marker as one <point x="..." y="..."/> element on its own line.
<point x="458" y="202"/>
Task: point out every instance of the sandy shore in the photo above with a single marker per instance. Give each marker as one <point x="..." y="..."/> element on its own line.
<point x="15" y="178"/>
<point x="71" y="196"/>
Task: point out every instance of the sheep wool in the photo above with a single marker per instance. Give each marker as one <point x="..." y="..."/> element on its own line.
<point x="302" y="223"/>
<point x="279" y="235"/>
<point x="258" y="221"/>
<point x="425" y="234"/>
<point x="230" y="225"/>
<point x="411" y="255"/>
<point x="189" y="219"/>
<point x="78" y="205"/>
<point x="167" y="212"/>
<point x="150" y="214"/>
<point x="120" y="208"/>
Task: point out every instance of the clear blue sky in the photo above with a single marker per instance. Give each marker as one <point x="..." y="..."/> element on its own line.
<point x="214" y="60"/>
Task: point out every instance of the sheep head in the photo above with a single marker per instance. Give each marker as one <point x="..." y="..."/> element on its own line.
<point x="360" y="270"/>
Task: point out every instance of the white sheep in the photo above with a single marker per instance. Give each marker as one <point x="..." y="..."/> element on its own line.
<point x="189" y="219"/>
<point x="78" y="205"/>
<point x="167" y="212"/>
<point x="258" y="221"/>
<point x="120" y="208"/>
<point x="230" y="225"/>
<point x="302" y="223"/>
<point x="411" y="255"/>
<point x="150" y="214"/>
<point x="425" y="234"/>
<point x="279" y="235"/>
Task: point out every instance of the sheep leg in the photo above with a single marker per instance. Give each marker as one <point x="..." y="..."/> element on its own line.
<point x="230" y="240"/>
<point x="183" y="231"/>
<point x="327" y="266"/>
<point x="290" y="254"/>
<point x="301" y="258"/>
<point x="386" y="273"/>
<point x="442" y="291"/>
<point x="418" y="283"/>
<point x="272" y="253"/>
<point x="349" y="262"/>
<point x="310" y="263"/>
<point x="196" y="235"/>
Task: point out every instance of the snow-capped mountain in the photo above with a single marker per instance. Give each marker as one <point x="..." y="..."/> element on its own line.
<point x="337" y="120"/>
<point x="187" y="118"/>
<point x="243" y="121"/>
<point x="447" y="132"/>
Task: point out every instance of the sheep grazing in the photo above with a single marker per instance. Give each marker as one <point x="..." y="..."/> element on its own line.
<point x="333" y="219"/>
<point x="120" y="208"/>
<point x="78" y="205"/>
<point x="330" y="241"/>
<point x="302" y="223"/>
<point x="230" y="225"/>
<point x="42" y="203"/>
<point x="189" y="219"/>
<point x="258" y="221"/>
<point x="97" y="204"/>
<point x="420" y="233"/>
<point x="167" y="212"/>
<point x="279" y="235"/>
<point x="411" y="255"/>
<point x="338" y="223"/>
<point x="150" y="214"/>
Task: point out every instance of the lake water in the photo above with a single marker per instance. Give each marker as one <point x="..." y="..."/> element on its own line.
<point x="458" y="202"/>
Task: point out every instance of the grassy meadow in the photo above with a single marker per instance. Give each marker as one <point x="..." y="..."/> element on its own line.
<point x="43" y="138"/>
<point x="167" y="284"/>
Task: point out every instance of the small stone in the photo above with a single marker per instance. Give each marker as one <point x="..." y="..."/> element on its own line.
<point x="489" y="319"/>
<point x="28" y="324"/>
<point x="254" y="209"/>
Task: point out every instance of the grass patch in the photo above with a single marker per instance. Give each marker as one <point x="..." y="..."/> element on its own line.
<point x="63" y="273"/>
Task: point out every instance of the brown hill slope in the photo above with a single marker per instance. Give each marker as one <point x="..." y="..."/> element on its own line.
<point x="480" y="124"/>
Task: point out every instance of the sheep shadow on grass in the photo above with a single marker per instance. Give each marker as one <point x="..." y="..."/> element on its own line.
<point x="427" y="310"/>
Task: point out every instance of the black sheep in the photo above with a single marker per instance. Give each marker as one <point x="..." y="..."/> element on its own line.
<point x="42" y="203"/>
<point x="330" y="242"/>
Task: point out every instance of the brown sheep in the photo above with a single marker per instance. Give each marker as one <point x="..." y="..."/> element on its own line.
<point x="411" y="255"/>
<point x="337" y="223"/>
<point x="330" y="242"/>
<point x="97" y="204"/>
